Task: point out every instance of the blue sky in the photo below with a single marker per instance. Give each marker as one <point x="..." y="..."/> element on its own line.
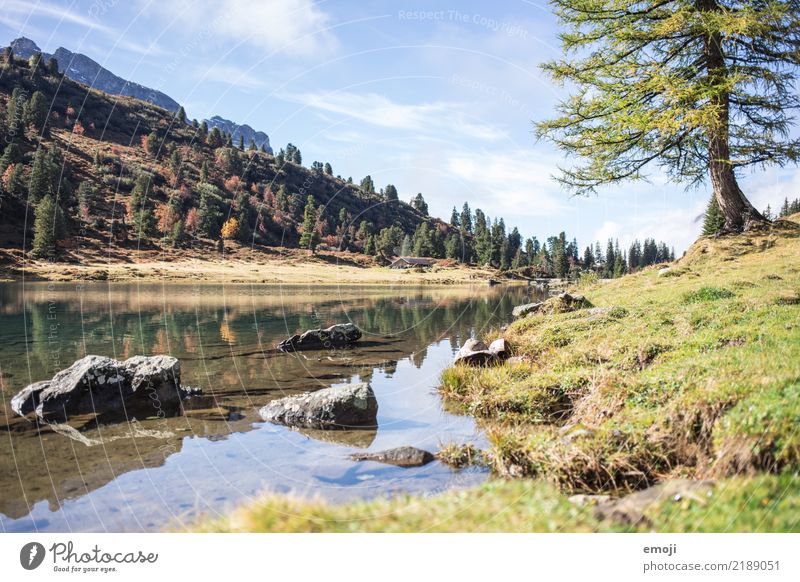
<point x="434" y="97"/>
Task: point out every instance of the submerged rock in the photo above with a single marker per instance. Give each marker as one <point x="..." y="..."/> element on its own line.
<point x="341" y="407"/>
<point x="338" y="335"/>
<point x="139" y="386"/>
<point x="400" y="456"/>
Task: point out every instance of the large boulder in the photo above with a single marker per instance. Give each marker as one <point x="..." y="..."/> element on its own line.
<point x="338" y="335"/>
<point x="340" y="407"/>
<point x="139" y="386"/>
<point x="400" y="456"/>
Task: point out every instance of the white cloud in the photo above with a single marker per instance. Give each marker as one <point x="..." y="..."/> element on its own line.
<point x="27" y="10"/>
<point x="772" y="187"/>
<point x="380" y="111"/>
<point x="298" y="27"/>
<point x="230" y="75"/>
<point x="678" y="227"/>
<point x="513" y="184"/>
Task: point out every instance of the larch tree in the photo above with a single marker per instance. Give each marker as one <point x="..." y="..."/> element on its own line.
<point x="701" y="88"/>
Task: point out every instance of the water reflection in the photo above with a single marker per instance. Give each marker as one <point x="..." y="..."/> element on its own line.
<point x="144" y="474"/>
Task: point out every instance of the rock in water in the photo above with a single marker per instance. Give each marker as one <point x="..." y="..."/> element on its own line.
<point x="401" y="457"/>
<point x="139" y="386"/>
<point x="338" y="335"/>
<point x="27" y="399"/>
<point x="341" y="407"/>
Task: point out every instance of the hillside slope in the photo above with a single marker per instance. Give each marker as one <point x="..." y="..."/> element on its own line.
<point x="129" y="175"/>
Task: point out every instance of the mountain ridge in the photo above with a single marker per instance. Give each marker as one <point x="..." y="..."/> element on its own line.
<point x="83" y="69"/>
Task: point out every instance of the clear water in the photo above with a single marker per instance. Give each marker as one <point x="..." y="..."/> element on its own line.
<point x="149" y="474"/>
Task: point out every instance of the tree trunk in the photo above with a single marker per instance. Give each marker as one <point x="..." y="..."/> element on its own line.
<point x="733" y="203"/>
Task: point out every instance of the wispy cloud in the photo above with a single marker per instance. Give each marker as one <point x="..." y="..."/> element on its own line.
<point x="296" y="27"/>
<point x="230" y="75"/>
<point x="511" y="183"/>
<point x="379" y="110"/>
<point x="27" y="9"/>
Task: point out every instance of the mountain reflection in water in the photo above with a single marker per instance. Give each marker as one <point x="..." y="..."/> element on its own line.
<point x="151" y="473"/>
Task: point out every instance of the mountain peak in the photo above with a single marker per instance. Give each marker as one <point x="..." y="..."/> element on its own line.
<point x="84" y="69"/>
<point x="24" y="47"/>
<point x="245" y="131"/>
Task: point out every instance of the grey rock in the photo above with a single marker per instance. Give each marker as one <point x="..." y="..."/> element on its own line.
<point x="633" y="509"/>
<point x="400" y="456"/>
<point x="474" y="353"/>
<point x="561" y="303"/>
<point x="523" y="310"/>
<point x="139" y="386"/>
<point x="499" y="348"/>
<point x="27" y="399"/>
<point x="341" y="407"/>
<point x="598" y="312"/>
<point x="338" y="335"/>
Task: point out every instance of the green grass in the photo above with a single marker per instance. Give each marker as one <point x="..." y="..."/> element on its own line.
<point x="691" y="373"/>
<point x="762" y="504"/>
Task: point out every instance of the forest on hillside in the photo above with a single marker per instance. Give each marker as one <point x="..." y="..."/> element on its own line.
<point x="124" y="173"/>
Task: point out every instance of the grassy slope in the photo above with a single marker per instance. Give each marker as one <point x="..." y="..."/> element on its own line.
<point x="691" y="373"/>
<point x="760" y="504"/>
<point x="694" y="372"/>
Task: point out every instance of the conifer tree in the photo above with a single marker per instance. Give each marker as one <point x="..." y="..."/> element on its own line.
<point x="36" y="111"/>
<point x="714" y="221"/>
<point x="48" y="227"/>
<point x="391" y="193"/>
<point x="466" y="218"/>
<point x="309" y="238"/>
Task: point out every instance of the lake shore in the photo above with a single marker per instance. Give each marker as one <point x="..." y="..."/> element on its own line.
<point x="669" y="404"/>
<point x="236" y="265"/>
